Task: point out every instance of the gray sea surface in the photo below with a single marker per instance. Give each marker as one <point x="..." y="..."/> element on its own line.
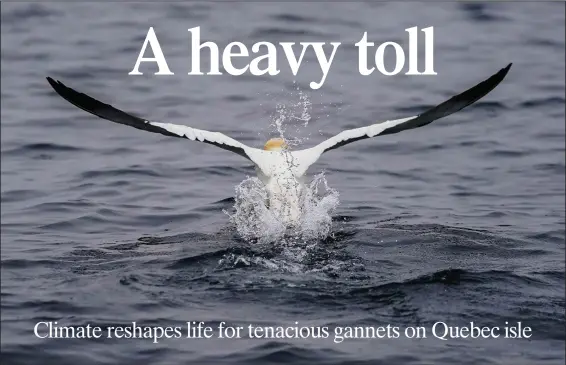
<point x="459" y="221"/>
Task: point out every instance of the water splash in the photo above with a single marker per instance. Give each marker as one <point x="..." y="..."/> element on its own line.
<point x="254" y="220"/>
<point x="251" y="217"/>
<point x="319" y="203"/>
<point x="297" y="114"/>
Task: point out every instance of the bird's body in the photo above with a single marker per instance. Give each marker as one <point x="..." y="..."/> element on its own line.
<point x="281" y="170"/>
<point x="276" y="167"/>
<point x="284" y="187"/>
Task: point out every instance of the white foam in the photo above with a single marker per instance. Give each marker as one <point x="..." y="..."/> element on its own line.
<point x="254" y="220"/>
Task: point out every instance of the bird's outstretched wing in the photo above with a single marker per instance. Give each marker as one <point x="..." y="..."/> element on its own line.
<point x="309" y="156"/>
<point x="112" y="114"/>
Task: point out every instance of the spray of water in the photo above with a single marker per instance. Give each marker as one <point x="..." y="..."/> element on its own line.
<point x="293" y="113"/>
<point x="256" y="222"/>
<point x="251" y="215"/>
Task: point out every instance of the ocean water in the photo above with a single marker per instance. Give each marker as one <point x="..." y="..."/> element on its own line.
<point x="460" y="221"/>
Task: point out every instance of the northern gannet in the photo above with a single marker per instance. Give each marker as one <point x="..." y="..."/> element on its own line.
<point x="279" y="168"/>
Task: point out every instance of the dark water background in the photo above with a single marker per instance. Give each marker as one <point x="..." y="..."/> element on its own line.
<point x="460" y="221"/>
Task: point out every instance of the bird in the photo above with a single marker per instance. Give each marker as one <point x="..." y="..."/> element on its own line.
<point x="281" y="169"/>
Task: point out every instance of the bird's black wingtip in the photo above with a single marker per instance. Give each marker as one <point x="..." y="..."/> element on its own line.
<point x="54" y="84"/>
<point x="496" y="78"/>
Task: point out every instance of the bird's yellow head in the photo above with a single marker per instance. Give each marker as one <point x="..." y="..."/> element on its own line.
<point x="275" y="144"/>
